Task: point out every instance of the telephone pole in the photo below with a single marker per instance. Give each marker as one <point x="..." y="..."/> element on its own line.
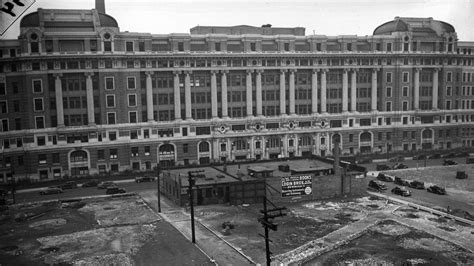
<point x="192" y="182"/>
<point x="158" y="170"/>
<point x="267" y="223"/>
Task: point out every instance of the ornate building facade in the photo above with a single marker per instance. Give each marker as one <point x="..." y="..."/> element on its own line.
<point x="80" y="97"/>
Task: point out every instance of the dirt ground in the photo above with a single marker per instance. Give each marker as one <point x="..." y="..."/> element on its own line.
<point x="390" y="243"/>
<point x="107" y="231"/>
<point x="303" y="223"/>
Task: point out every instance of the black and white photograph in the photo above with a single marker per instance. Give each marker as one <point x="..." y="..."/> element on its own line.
<point x="237" y="132"/>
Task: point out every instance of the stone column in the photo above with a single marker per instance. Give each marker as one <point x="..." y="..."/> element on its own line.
<point x="292" y="98"/>
<point x="149" y="96"/>
<point x="345" y="90"/>
<point x="354" y="90"/>
<point x="435" y="88"/>
<point x="248" y="85"/>
<point x="314" y="92"/>
<point x="224" y="94"/>
<point x="90" y="99"/>
<point x="323" y="91"/>
<point x="177" y="96"/>
<point x="416" y="103"/>
<point x="187" y="96"/>
<point x="259" y="93"/>
<point x="59" y="100"/>
<point x="282" y="92"/>
<point x="374" y="90"/>
<point x="213" y="94"/>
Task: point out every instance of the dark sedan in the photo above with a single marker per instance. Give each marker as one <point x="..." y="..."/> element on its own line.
<point x="51" y="190"/>
<point x="401" y="191"/>
<point x="437" y="190"/>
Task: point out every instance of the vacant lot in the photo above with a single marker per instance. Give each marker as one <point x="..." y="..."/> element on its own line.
<point x="119" y="231"/>
<point x="390" y="243"/>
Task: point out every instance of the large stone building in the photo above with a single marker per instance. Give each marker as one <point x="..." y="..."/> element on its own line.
<point x="79" y="97"/>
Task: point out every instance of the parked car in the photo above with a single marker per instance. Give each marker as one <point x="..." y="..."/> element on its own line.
<point x="68" y="185"/>
<point x="461" y="175"/>
<point x="384" y="177"/>
<point x="434" y="156"/>
<point x="374" y="185"/>
<point x="91" y="183"/>
<point x="401" y="191"/>
<point x="105" y="185"/>
<point x="449" y="162"/>
<point x="382" y="167"/>
<point x="284" y="168"/>
<point x="364" y="160"/>
<point x="51" y="190"/>
<point x="401" y="182"/>
<point x="419" y="157"/>
<point x="449" y="155"/>
<point x="397" y="159"/>
<point x="417" y="184"/>
<point x="115" y="190"/>
<point x="139" y="179"/>
<point x="399" y="166"/>
<point x="437" y="190"/>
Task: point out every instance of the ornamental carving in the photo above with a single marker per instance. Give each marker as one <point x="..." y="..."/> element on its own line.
<point x="321" y="123"/>
<point x="222" y="128"/>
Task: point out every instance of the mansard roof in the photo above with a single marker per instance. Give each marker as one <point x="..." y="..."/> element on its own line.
<point x="415" y="25"/>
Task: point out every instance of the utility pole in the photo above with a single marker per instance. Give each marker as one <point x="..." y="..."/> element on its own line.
<point x="192" y="182"/>
<point x="267" y="223"/>
<point x="158" y="170"/>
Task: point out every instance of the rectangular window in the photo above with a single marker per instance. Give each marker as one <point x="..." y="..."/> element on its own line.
<point x="388" y="76"/>
<point x="405" y="105"/>
<point x="100" y="155"/>
<point x="141" y="46"/>
<point x="5" y="126"/>
<point x="39" y="122"/>
<point x="388" y="92"/>
<point x="132" y="117"/>
<point x="37" y="85"/>
<point x="449" y="91"/>
<point x="405" y="91"/>
<point x="42" y="158"/>
<point x="3" y="107"/>
<point x="110" y="100"/>
<point x="38" y="104"/>
<point x="147" y="150"/>
<point x="129" y="46"/>
<point x="112" y="135"/>
<point x="218" y="46"/>
<point x="111" y="118"/>
<point x="134" y="152"/>
<point x="406" y="76"/>
<point x="180" y="46"/>
<point x="132" y="100"/>
<point x="131" y="83"/>
<point x="449" y="76"/>
<point x="253" y="47"/>
<point x="388" y="106"/>
<point x="109" y="83"/>
<point x="185" y="148"/>
<point x="389" y="47"/>
<point x="3" y="88"/>
<point x="113" y="153"/>
<point x="287" y="47"/>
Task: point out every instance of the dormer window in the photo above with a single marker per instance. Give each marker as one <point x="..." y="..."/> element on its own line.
<point x="218" y="46"/>
<point x="180" y="46"/>
<point x="253" y="47"/>
<point x="107" y="43"/>
<point x="34" y="44"/>
<point x="287" y="46"/>
<point x="129" y="46"/>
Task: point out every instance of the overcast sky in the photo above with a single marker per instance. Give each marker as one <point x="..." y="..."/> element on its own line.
<point x="327" y="17"/>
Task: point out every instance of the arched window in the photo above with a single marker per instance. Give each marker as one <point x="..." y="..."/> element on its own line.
<point x="204" y="147"/>
<point x="78" y="156"/>
<point x="427" y="134"/>
<point x="166" y="148"/>
<point x="365" y="137"/>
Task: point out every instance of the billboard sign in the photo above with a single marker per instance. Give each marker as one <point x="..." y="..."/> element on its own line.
<point x="292" y="186"/>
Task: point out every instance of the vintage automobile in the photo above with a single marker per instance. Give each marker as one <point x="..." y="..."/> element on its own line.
<point x="382" y="167"/>
<point x="401" y="191"/>
<point x="115" y="190"/>
<point x="374" y="185"/>
<point x="401" y="182"/>
<point x="461" y="175"/>
<point x="51" y="190"/>
<point x="449" y="162"/>
<point x="437" y="190"/>
<point x="68" y="185"/>
<point x="105" y="185"/>
<point x="140" y="179"/>
<point x="385" y="178"/>
<point x="90" y="183"/>
<point x="399" y="166"/>
<point x="417" y="184"/>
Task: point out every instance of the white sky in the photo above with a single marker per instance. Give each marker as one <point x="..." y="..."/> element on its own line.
<point x="327" y="17"/>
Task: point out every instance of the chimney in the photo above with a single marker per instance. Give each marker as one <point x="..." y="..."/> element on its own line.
<point x="100" y="6"/>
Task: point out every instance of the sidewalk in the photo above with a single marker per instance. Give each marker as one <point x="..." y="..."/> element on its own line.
<point x="78" y="185"/>
<point x="216" y="248"/>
